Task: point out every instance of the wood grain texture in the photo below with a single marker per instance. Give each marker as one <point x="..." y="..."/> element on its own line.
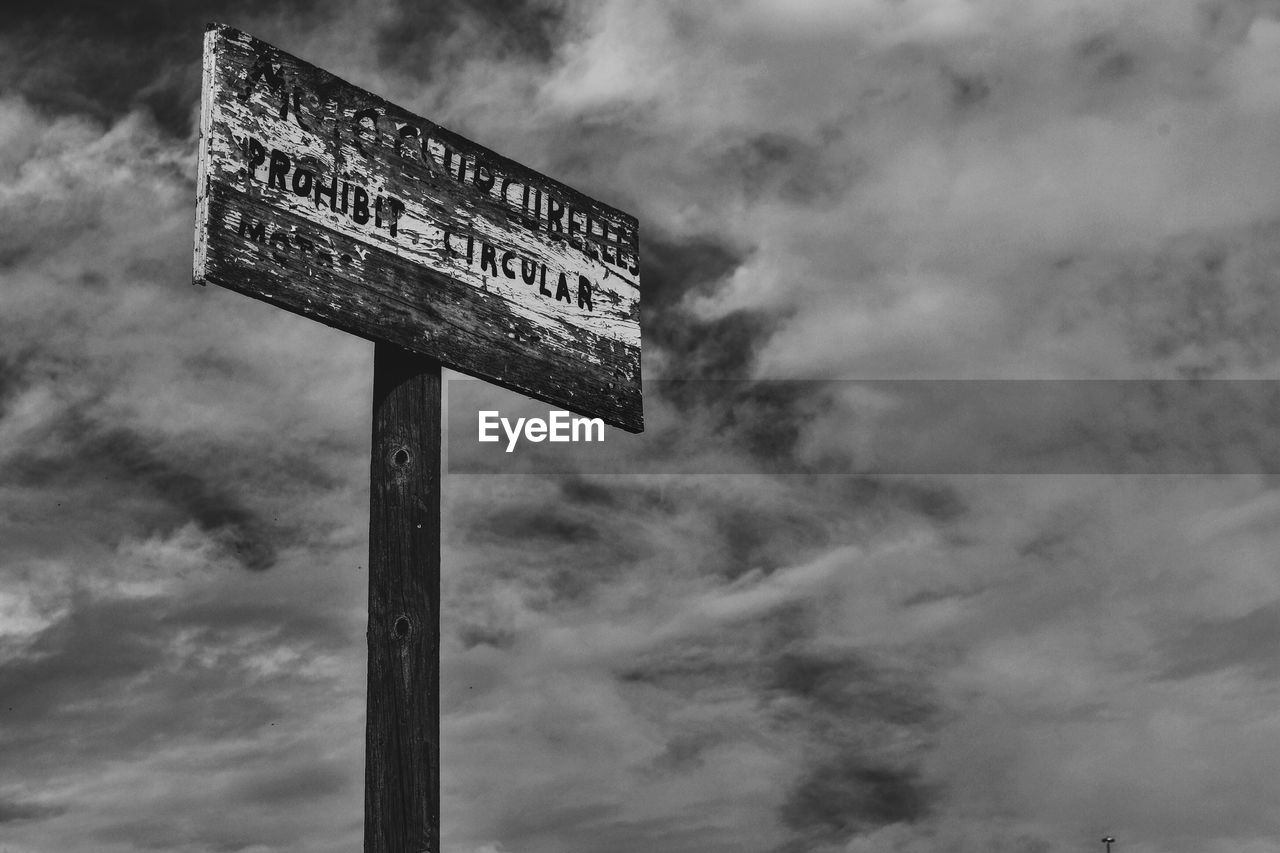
<point x="331" y="202"/>
<point x="402" y="732"/>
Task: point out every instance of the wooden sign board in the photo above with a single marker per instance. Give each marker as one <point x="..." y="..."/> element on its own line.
<point x="326" y="200"/>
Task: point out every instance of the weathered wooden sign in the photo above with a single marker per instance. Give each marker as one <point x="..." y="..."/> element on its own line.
<point x="326" y="200"/>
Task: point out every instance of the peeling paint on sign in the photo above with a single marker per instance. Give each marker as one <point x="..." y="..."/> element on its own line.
<point x="326" y="200"/>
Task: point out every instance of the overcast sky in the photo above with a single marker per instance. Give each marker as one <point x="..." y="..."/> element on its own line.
<point x="687" y="663"/>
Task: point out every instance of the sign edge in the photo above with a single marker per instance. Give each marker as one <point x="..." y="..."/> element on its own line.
<point x="202" y="168"/>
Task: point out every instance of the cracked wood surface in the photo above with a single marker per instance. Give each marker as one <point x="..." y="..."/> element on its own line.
<point x="326" y="200"/>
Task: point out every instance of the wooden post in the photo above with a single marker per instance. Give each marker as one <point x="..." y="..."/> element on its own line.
<point x="402" y="730"/>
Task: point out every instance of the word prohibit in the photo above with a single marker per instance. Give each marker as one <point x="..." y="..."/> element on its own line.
<point x="342" y="196"/>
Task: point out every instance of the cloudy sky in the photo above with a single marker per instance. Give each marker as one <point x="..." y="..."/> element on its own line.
<point x="941" y="650"/>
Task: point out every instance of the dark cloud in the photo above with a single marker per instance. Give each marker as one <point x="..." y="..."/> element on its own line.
<point x="1203" y="303"/>
<point x="12" y="377"/>
<point x="176" y="685"/>
<point x="1248" y="642"/>
<point x="796" y="170"/>
<point x="676" y="271"/>
<point x="219" y="621"/>
<point x="936" y="499"/>
<point x="550" y="553"/>
<point x="580" y="490"/>
<point x="561" y="555"/>
<point x="114" y="680"/>
<point x="530" y="524"/>
<point x="863" y="722"/>
<point x="1051" y="546"/>
<point x="722" y="348"/>
<point x="418" y="37"/>
<point x="294" y="782"/>
<point x="174" y="833"/>
<point x="867" y="722"/>
<point x="93" y="650"/>
<point x="701" y="663"/>
<point x="105" y="59"/>
<point x="152" y="481"/>
<point x="16" y="810"/>
<point x="852" y="685"/>
<point x="968" y="90"/>
<point x="753" y="427"/>
<point x="622" y="495"/>
<point x="472" y="634"/>
<point x="167" y="486"/>
<point x="738" y="653"/>
<point x="559" y="819"/>
<point x="764" y="419"/>
<point x="767" y="538"/>
<point x="1106" y="57"/>
<point x="685" y="751"/>
<point x="108" y="649"/>
<point x="844" y="796"/>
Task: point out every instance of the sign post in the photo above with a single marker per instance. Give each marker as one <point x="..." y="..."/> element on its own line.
<point x="402" y="731"/>
<point x="326" y="200"/>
